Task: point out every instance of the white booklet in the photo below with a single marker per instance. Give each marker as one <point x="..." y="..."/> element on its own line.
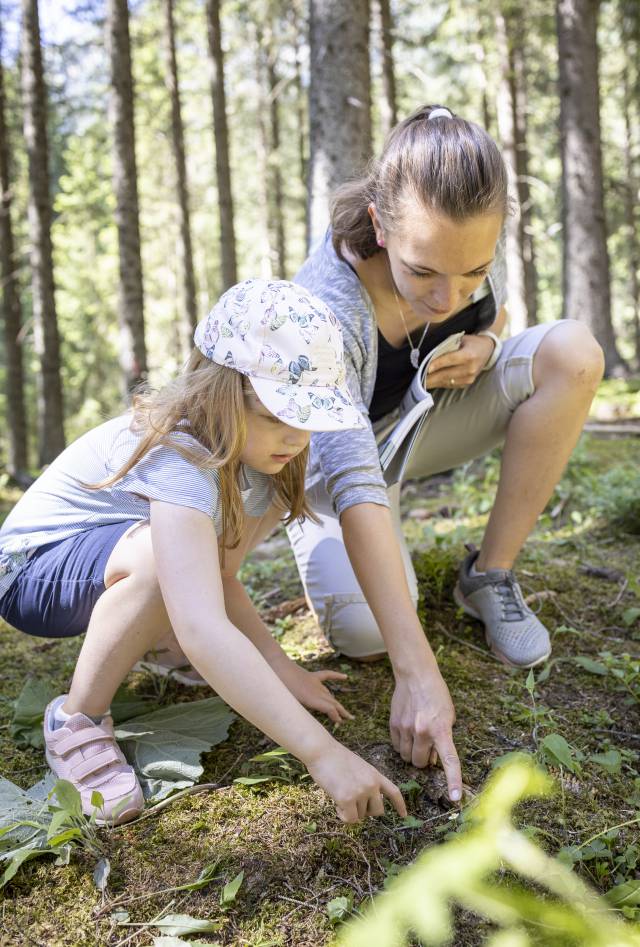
<point x="395" y="449"/>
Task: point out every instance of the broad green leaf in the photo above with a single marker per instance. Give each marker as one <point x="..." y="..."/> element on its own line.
<point x="126" y="705"/>
<point x="530" y="682"/>
<point x="206" y="876"/>
<point x="594" y="667"/>
<point x="624" y="894"/>
<point x="166" y="744"/>
<point x="178" y="942"/>
<point x="68" y="797"/>
<point x="18" y="858"/>
<point x="611" y="761"/>
<point x="177" y="924"/>
<point x="254" y="780"/>
<point x="339" y="908"/>
<point x="15" y="804"/>
<point x="230" y="890"/>
<point x="97" y="799"/>
<point x="156" y="789"/>
<point x="630" y="616"/>
<point x="410" y="822"/>
<point x="64" y="837"/>
<point x="58" y="820"/>
<point x="558" y="751"/>
<point x="101" y="874"/>
<point x="28" y="713"/>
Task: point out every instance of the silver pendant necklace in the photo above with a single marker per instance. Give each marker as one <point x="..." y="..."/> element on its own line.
<point x="414" y="355"/>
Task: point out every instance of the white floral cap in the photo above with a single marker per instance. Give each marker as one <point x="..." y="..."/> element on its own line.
<point x="289" y="344"/>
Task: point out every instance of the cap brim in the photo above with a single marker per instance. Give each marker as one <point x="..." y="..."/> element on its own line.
<point x="309" y="408"/>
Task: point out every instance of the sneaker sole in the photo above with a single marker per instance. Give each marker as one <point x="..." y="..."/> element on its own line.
<point x="462" y="603"/>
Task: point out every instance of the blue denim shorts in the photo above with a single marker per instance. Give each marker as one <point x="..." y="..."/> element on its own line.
<point x="54" y="593"/>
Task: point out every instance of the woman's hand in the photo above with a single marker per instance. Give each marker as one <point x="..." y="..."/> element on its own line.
<point x="421" y="721"/>
<point x="356" y="787"/>
<point x="307" y="686"/>
<point x="460" y="368"/>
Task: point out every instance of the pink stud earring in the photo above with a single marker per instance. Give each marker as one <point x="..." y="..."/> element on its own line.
<point x="381" y="243"/>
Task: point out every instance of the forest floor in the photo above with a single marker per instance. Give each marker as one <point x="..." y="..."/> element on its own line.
<point x="582" y="567"/>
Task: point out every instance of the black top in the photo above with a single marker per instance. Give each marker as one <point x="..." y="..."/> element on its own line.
<point x="395" y="372"/>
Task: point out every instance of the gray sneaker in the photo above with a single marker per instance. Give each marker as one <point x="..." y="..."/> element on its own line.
<point x="513" y="632"/>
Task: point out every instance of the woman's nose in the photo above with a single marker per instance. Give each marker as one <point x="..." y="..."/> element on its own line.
<point x="444" y="295"/>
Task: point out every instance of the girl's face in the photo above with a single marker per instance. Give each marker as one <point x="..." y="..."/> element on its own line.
<point x="270" y="442"/>
<point x="437" y="263"/>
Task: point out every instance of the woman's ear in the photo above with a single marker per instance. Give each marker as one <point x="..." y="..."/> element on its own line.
<point x="375" y="220"/>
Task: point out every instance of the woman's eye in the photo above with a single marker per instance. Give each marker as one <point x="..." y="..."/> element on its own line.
<point x="479" y="273"/>
<point x="420" y="275"/>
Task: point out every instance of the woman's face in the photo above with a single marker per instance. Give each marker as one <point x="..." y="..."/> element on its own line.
<point x="270" y="442"/>
<point x="436" y="262"/>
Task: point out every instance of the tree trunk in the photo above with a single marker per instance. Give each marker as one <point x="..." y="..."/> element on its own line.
<point x="221" y="134"/>
<point x="17" y="460"/>
<point x="388" y="111"/>
<point x="47" y="341"/>
<point x="301" y="117"/>
<point x="587" y="294"/>
<point x="276" y="191"/>
<point x="511" y="126"/>
<point x="631" y="186"/>
<point x="339" y="101"/>
<point x="133" y="351"/>
<point x="177" y="141"/>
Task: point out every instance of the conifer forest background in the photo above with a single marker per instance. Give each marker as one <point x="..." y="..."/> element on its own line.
<point x="153" y="153"/>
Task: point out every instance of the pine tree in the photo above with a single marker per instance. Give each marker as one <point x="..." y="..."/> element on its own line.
<point x="586" y="279"/>
<point x="46" y="337"/>
<point x="133" y="350"/>
<point x="221" y="135"/>
<point x="339" y="101"/>
<point x="11" y="308"/>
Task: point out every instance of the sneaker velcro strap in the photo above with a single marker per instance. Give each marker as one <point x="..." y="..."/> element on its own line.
<point x="82" y="738"/>
<point x="94" y="763"/>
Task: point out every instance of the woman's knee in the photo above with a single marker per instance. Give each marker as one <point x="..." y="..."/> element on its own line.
<point x="569" y="352"/>
<point x="350" y="626"/>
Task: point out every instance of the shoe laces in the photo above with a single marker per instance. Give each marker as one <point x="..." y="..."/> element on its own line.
<point x="513" y="607"/>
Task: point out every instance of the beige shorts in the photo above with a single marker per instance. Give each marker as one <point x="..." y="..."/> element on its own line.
<point x="464" y="423"/>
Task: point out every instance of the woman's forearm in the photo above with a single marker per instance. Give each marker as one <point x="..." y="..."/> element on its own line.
<point x="375" y="555"/>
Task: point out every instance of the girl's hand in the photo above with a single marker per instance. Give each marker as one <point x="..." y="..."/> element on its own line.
<point x="356" y="787"/>
<point x="460" y="368"/>
<point x="307" y="686"/>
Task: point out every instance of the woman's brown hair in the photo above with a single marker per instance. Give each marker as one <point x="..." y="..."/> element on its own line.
<point x="448" y="165"/>
<point x="209" y="401"/>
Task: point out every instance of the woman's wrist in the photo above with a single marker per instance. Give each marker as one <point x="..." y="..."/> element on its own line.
<point x="496" y="350"/>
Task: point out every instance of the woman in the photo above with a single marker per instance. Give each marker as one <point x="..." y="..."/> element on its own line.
<point x="413" y="255"/>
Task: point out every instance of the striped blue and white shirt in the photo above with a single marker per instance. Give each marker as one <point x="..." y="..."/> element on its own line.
<point x="58" y="505"/>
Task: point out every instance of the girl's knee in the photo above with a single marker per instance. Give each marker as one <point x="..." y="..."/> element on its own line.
<point x="570" y="351"/>
<point x="351" y="628"/>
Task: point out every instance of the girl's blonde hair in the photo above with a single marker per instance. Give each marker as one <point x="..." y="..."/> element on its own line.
<point x="209" y="402"/>
<point x="447" y="165"/>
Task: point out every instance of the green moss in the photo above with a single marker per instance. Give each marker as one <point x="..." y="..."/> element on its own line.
<point x="291" y="872"/>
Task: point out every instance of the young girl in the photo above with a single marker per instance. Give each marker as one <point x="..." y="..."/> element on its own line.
<point x="136" y="531"/>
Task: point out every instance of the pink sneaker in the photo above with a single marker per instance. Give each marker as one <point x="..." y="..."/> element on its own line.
<point x="87" y="755"/>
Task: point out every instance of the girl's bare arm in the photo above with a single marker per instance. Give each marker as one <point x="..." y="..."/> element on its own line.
<point x="185" y="550"/>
